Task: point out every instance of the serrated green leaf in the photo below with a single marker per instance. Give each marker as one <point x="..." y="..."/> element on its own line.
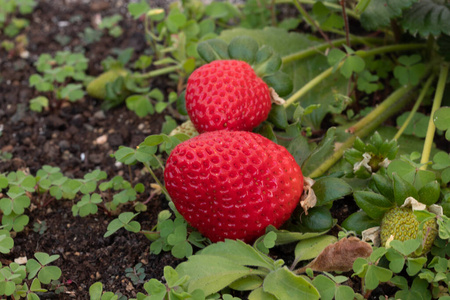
<point x="379" y="13"/>
<point x="284" y="284"/>
<point x="243" y="48"/>
<point x="427" y="17"/>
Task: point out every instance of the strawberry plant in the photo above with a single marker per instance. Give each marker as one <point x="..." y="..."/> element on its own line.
<point x="338" y="191"/>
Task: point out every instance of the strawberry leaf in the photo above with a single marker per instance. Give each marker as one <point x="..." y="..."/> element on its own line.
<point x="379" y="13"/>
<point x="213" y="49"/>
<point x="427" y="17"/>
<point x="284" y="284"/>
<point x="240" y="253"/>
<point x="243" y="48"/>
<point x="211" y="273"/>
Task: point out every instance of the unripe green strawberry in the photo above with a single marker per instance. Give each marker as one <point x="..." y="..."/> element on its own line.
<point x="97" y="87"/>
<point x="227" y="94"/>
<point x="402" y="225"/>
<point x="233" y="184"/>
<point x="187" y="128"/>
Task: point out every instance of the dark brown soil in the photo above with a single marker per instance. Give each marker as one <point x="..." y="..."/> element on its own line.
<point x="61" y="136"/>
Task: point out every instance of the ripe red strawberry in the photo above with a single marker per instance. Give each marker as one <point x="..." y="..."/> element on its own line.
<point x="226" y="94"/>
<point x="233" y="184"/>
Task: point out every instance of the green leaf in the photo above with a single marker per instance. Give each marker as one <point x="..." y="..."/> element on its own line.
<point x="138" y="9"/>
<point x="38" y="103"/>
<point x="49" y="273"/>
<point x="359" y="221"/>
<point x="414" y="265"/>
<point x="284" y="284"/>
<point x="379" y="13"/>
<point x="259" y="294"/>
<point x="427" y="17"/>
<point x="247" y="283"/>
<point x="375" y="275"/>
<point x="325" y="286"/>
<point x="72" y="92"/>
<point x="278" y="117"/>
<point x="403" y="190"/>
<point x="353" y="64"/>
<point x="373" y="204"/>
<point x="211" y="273"/>
<point x="441" y="118"/>
<point x="240" y="253"/>
<point x="320" y="153"/>
<point x="96" y="290"/>
<point x="311" y="248"/>
<point x="243" y="48"/>
<point x="6" y="243"/>
<point x="330" y="189"/>
<point x="429" y="194"/>
<point x="140" y="104"/>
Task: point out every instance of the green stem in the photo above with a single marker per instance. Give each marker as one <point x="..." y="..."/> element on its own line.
<point x="333" y="6"/>
<point x="322" y="76"/>
<point x="310" y="20"/>
<point x="436" y="105"/>
<point x="321" y="47"/>
<point x="159" y="72"/>
<point x="366" y="125"/>
<point x="163" y="188"/>
<point x="311" y="84"/>
<point x="416" y="106"/>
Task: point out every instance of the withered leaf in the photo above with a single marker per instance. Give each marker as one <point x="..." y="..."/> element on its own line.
<point x="339" y="256"/>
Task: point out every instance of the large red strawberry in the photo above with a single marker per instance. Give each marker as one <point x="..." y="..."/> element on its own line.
<point x="226" y="94"/>
<point x="233" y="184"/>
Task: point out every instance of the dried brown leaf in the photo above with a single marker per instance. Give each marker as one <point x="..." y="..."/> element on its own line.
<point x="308" y="199"/>
<point x="339" y="256"/>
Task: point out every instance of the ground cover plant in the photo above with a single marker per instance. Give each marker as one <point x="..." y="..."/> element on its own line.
<point x="126" y="170"/>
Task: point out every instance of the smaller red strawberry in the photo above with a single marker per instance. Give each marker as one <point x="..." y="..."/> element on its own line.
<point x="227" y="94"/>
<point x="233" y="184"/>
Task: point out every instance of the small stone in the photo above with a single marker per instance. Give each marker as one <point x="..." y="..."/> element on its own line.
<point x="101" y="139"/>
<point x="100" y="115"/>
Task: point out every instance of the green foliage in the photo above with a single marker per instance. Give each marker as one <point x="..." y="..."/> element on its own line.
<point x="368" y="158"/>
<point x="136" y="274"/>
<point x="410" y="71"/>
<point x="379" y="13"/>
<point x="427" y="17"/>
<point x="55" y="73"/>
<point x="225" y="262"/>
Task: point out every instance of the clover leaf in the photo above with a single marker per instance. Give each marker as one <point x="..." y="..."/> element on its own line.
<point x="45" y="273"/>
